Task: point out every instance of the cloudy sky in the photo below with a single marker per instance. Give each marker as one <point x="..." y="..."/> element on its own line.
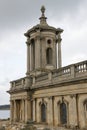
<point x="17" y="16"/>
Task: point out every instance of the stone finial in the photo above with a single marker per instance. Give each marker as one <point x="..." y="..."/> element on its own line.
<point x="43" y="18"/>
<point x="42" y="10"/>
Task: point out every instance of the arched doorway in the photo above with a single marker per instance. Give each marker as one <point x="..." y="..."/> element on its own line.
<point x="43" y="112"/>
<point x="63" y="113"/>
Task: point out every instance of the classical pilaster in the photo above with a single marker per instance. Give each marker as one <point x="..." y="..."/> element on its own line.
<point x="59" y="51"/>
<point x="26" y="110"/>
<point x="55" y="43"/>
<point x="29" y="109"/>
<point x="51" y="110"/>
<point x="33" y="109"/>
<point x="72" y="109"/>
<point x="55" y="112"/>
<point x="28" y="56"/>
<point x="32" y="57"/>
<point x="23" y="110"/>
<point x="82" y="123"/>
<point x="38" y="110"/>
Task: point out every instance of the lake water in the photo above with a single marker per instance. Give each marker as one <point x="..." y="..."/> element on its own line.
<point x="4" y="114"/>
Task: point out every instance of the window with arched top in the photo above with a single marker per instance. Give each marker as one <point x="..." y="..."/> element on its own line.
<point x="85" y="105"/>
<point x="49" y="55"/>
<point x="63" y="113"/>
<point x="85" y="109"/>
<point x="43" y="112"/>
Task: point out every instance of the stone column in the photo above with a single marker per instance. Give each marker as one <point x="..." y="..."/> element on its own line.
<point x="28" y="56"/>
<point x="31" y="61"/>
<point x="11" y="110"/>
<point x="27" y="110"/>
<point x="37" y="52"/>
<point x="59" y="51"/>
<point x="33" y="109"/>
<point x="56" y="53"/>
<point x="15" y="114"/>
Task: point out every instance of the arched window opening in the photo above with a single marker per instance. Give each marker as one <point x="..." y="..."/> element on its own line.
<point x="43" y="113"/>
<point x="49" y="56"/>
<point x="63" y="113"/>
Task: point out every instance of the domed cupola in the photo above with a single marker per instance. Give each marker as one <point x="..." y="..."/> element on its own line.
<point x="42" y="42"/>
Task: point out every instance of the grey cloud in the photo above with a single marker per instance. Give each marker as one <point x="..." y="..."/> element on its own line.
<point x="4" y="98"/>
<point x="14" y="13"/>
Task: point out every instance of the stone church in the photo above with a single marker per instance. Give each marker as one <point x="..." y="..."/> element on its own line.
<point x="49" y="93"/>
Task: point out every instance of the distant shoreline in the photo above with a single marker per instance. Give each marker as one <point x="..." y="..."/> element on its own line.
<point x="4" y="107"/>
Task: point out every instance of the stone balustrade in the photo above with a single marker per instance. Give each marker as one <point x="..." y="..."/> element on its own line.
<point x="81" y="67"/>
<point x="17" y="84"/>
<point x="21" y="83"/>
<point x="62" y="71"/>
<point x="74" y="71"/>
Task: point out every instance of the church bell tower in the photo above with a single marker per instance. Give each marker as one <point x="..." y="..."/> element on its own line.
<point x="43" y="42"/>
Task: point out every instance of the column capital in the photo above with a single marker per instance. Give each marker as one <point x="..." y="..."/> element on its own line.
<point x="51" y="97"/>
<point x="28" y="42"/>
<point x="73" y="95"/>
<point x="59" y="40"/>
